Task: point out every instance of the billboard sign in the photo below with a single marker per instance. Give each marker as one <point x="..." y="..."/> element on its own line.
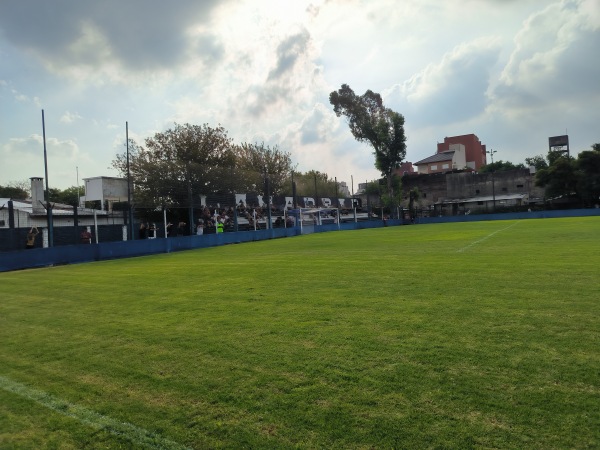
<point x="558" y="141"/>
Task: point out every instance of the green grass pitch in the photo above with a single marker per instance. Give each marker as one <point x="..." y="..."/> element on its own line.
<point x="469" y="335"/>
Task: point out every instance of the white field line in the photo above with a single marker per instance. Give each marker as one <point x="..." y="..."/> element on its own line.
<point x="91" y="418"/>
<point x="485" y="238"/>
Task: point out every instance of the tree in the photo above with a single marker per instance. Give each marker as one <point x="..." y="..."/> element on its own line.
<point x="500" y="166"/>
<point x="565" y="176"/>
<point x="255" y="161"/>
<point x="68" y="196"/>
<point x="390" y="203"/>
<point x="560" y="178"/>
<point x="15" y="190"/>
<point x="311" y="183"/>
<point x="538" y="161"/>
<point x="414" y="195"/>
<point x="588" y="165"/>
<point x="179" y="164"/>
<point x="370" y="121"/>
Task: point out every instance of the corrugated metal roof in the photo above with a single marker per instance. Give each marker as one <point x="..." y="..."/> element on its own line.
<point x="58" y="210"/>
<point x="487" y="198"/>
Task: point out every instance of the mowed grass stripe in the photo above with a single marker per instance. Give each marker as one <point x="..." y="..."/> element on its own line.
<point x="91" y="418"/>
<point x="372" y="338"/>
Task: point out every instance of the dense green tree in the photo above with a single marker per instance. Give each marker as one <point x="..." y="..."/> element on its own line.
<point x="565" y="175"/>
<point x="500" y="166"/>
<point x="537" y="161"/>
<point x="588" y="165"/>
<point x="311" y="183"/>
<point x="68" y="196"/>
<point x="370" y="121"/>
<point x="256" y="161"/>
<point x="393" y="201"/>
<point x="179" y="164"/>
<point x="560" y="178"/>
<point x="14" y="190"/>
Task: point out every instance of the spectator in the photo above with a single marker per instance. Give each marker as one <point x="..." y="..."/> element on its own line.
<point x="152" y="231"/>
<point x="220" y="225"/>
<point x="143" y="231"/>
<point x="86" y="236"/>
<point x="200" y="227"/>
<point x="181" y="231"/>
<point x="31" y="235"/>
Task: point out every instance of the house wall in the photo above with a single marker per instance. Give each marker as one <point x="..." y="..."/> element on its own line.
<point x="459" y="159"/>
<point x="431" y="186"/>
<point x="437" y="187"/>
<point x="472" y="184"/>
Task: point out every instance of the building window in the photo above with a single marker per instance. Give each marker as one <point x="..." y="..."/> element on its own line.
<point x="424" y="195"/>
<point x="434" y="167"/>
<point x="504" y="189"/>
<point x="477" y="191"/>
<point x="480" y="203"/>
<point x="519" y="185"/>
<point x="445" y="166"/>
<point x="2" y="223"/>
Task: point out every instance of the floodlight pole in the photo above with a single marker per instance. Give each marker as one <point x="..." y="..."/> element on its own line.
<point x="491" y="152"/>
<point x="48" y="205"/>
<point x="293" y="192"/>
<point x="268" y="192"/>
<point x="316" y="194"/>
<point x="129" y="183"/>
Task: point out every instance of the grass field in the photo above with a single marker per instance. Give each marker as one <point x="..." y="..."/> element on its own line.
<point x="470" y="335"/>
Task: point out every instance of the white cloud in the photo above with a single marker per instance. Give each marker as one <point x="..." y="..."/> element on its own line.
<point x="553" y="62"/>
<point x="452" y="90"/>
<point x="510" y="72"/>
<point x="69" y="117"/>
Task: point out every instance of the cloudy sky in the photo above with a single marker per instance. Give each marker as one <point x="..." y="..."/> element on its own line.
<point x="512" y="72"/>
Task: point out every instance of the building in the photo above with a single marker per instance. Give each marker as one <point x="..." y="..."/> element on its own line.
<point x="106" y="190"/>
<point x="464" y="192"/>
<point x="455" y="153"/>
<point x="32" y="212"/>
<point x="406" y="168"/>
<point x="445" y="161"/>
<point x="475" y="151"/>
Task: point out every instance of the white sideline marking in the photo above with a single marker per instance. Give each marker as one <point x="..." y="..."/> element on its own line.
<point x="88" y="417"/>
<point x="486" y="237"/>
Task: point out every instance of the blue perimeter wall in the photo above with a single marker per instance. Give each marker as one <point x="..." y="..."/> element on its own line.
<point x="70" y="254"/>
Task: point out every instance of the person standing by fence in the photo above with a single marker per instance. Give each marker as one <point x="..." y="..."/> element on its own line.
<point x="86" y="236"/>
<point x="31" y="235"/>
<point x="143" y="231"/>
